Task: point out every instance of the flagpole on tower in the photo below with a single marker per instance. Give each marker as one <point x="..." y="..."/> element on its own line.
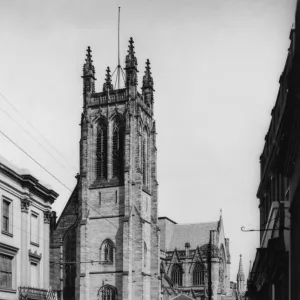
<point x="119" y="66"/>
<point x="118" y="70"/>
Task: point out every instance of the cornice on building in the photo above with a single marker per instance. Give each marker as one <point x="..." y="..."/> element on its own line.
<point x="30" y="182"/>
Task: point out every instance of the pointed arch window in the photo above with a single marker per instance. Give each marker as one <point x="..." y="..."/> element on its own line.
<point x="107" y="292"/>
<point x="145" y="255"/>
<point x="101" y="150"/>
<point x="145" y="157"/>
<point x="107" y="251"/>
<point x="198" y="274"/>
<point x="118" y="148"/>
<point x="176" y="275"/>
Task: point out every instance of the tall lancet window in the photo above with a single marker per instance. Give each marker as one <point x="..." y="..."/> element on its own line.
<point x="118" y="148"/>
<point x="176" y="275"/>
<point x="145" y="164"/>
<point x="101" y="151"/>
<point x="198" y="274"/>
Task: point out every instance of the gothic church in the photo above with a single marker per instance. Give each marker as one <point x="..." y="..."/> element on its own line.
<point x="109" y="243"/>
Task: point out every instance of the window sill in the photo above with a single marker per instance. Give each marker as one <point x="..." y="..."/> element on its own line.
<point x="8" y="290"/>
<point x="7" y="233"/>
<point x="34" y="244"/>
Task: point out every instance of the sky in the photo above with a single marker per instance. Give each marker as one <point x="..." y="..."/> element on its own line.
<point x="215" y="65"/>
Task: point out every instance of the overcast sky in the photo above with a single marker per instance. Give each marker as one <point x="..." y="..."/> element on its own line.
<point x="215" y="64"/>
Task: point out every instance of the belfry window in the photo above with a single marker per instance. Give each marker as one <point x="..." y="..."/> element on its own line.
<point x="198" y="274"/>
<point x="145" y="157"/>
<point x="176" y="275"/>
<point x="107" y="251"/>
<point x="101" y="151"/>
<point x="107" y="292"/>
<point x="118" y="148"/>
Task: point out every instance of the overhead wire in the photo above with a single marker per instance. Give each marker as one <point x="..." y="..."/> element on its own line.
<point x="29" y="134"/>
<point x="39" y="133"/>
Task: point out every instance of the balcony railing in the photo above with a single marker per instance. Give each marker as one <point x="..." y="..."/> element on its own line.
<point x="26" y="292"/>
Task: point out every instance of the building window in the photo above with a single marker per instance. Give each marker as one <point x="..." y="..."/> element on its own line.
<point x="34" y="229"/>
<point x="145" y="163"/>
<point x="198" y="274"/>
<point x="176" y="275"/>
<point x="118" y="148"/>
<point x="101" y="151"/>
<point x="5" y="271"/>
<point x="34" y="275"/>
<point x="107" y="250"/>
<point x="107" y="292"/>
<point x="7" y="216"/>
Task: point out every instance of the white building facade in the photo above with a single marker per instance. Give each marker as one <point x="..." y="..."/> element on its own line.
<point x="25" y="206"/>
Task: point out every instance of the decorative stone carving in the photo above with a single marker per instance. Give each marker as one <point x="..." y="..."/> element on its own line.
<point x="47" y="217"/>
<point x="25" y="203"/>
<point x="34" y="256"/>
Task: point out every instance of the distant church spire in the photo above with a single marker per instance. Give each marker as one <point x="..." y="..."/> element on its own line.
<point x="107" y="84"/>
<point x="131" y="65"/>
<point x="240" y="278"/>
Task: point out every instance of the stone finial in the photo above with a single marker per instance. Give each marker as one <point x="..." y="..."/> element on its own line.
<point x="131" y="66"/>
<point x="147" y="79"/>
<point x="25" y="203"/>
<point x="107" y="86"/>
<point x="88" y="67"/>
<point x="131" y="61"/>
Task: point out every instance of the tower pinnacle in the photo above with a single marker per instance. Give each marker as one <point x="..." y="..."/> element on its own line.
<point x="147" y="79"/>
<point x="131" y="65"/>
<point x="107" y="85"/>
<point x="88" y="67"/>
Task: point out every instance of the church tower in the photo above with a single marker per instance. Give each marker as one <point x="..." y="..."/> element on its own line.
<point x="117" y="236"/>
<point x="240" y="278"/>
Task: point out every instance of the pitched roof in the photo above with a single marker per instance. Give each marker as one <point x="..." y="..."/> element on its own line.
<point x="182" y="297"/>
<point x="196" y="234"/>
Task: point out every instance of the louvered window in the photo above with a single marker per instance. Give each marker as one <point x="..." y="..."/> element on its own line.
<point x="118" y="149"/>
<point x="177" y="275"/>
<point x="144" y="161"/>
<point x="102" y="151"/>
<point x="198" y="275"/>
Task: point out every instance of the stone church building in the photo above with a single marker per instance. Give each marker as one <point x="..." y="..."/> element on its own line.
<point x="109" y="243"/>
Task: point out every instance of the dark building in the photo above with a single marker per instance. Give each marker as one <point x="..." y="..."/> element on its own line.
<point x="276" y="270"/>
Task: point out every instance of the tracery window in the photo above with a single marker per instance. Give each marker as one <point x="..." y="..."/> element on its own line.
<point x="107" y="250"/>
<point x="118" y="148"/>
<point x="198" y="274"/>
<point x="176" y="275"/>
<point x="101" y="151"/>
<point x="107" y="292"/>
